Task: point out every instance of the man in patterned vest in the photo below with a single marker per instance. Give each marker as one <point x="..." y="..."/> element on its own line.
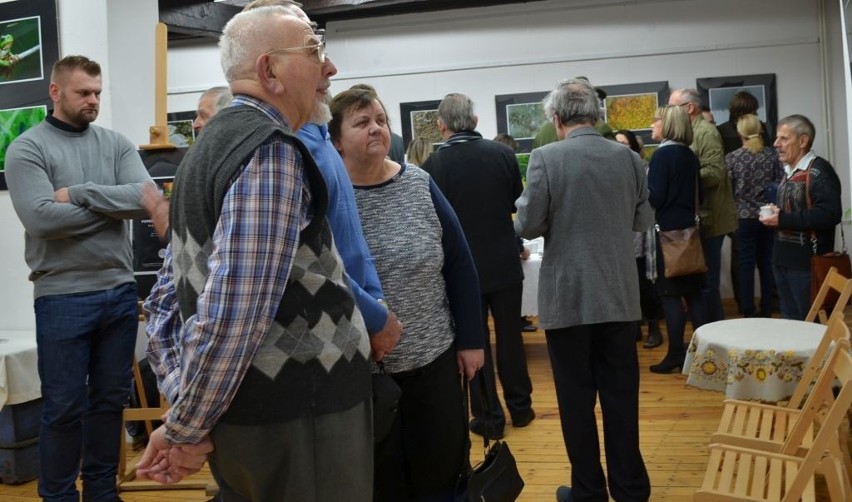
<point x="268" y="362"/>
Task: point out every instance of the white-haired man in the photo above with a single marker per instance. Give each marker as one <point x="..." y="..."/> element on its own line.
<point x="587" y="195"/>
<point x="209" y="104"/>
<point x="271" y="359"/>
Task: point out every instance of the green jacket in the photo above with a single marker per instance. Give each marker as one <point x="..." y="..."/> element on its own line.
<point x="547" y="133"/>
<point x="718" y="211"/>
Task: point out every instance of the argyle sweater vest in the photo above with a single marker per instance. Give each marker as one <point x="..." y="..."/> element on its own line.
<point x="314" y="358"/>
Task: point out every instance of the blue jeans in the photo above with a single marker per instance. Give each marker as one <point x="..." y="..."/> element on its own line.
<point x="794" y="292"/>
<point x="755" y="240"/>
<point x="85" y="348"/>
<point x="712" y="247"/>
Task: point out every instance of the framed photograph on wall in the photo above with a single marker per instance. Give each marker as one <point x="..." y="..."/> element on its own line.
<point x="632" y="106"/>
<point x="520" y="116"/>
<point x="419" y="120"/>
<point x="29" y="45"/>
<point x="718" y="91"/>
<point x="181" y="132"/>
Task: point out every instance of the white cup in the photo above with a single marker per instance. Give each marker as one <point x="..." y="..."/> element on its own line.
<point x="766" y="211"/>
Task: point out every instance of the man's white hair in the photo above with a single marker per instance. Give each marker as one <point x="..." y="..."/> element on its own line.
<point x="241" y="36"/>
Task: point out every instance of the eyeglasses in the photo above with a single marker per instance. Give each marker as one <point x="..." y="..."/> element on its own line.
<point x="317" y="49"/>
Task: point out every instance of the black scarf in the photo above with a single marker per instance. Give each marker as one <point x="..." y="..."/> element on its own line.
<point x="460" y="137"/>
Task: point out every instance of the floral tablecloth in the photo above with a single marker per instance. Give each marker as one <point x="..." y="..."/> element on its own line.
<point x="757" y="359"/>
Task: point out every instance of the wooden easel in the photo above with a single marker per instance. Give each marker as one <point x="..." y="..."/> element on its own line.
<point x="159" y="132"/>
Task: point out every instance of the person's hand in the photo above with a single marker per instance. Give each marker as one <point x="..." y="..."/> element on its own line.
<point x="525" y="254"/>
<point x="154" y="464"/>
<point x="470" y="361"/>
<point x="61" y="195"/>
<point x="188" y="459"/>
<point x="383" y="342"/>
<point x="166" y="463"/>
<point x="157" y="207"/>
<point x="771" y="221"/>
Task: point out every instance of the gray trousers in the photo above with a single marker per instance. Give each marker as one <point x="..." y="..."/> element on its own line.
<point x="310" y="459"/>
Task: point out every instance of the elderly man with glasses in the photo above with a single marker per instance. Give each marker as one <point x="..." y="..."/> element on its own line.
<point x="719" y="212"/>
<point x="269" y="360"/>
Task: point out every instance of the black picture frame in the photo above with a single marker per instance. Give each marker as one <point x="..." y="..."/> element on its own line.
<point x="33" y="27"/>
<point x="416" y="119"/>
<point x="148" y="249"/>
<point x="518" y="115"/>
<point x="717" y="91"/>
<point x="639" y="114"/>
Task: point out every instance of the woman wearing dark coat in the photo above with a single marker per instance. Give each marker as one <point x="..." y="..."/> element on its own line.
<point x="675" y="188"/>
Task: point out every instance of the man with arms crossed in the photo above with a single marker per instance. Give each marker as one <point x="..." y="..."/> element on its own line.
<point x="74" y="186"/>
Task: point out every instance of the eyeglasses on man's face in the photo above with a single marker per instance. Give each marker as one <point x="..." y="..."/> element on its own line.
<point x="317" y="49"/>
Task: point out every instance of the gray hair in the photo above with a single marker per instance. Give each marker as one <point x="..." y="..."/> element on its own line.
<point x="239" y="41"/>
<point x="221" y="95"/>
<point x="801" y="126"/>
<point x="574" y="101"/>
<point x="690" y="95"/>
<point x="456" y="112"/>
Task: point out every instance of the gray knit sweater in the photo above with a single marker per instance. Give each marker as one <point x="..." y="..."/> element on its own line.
<point x="402" y="229"/>
<point x="85" y="245"/>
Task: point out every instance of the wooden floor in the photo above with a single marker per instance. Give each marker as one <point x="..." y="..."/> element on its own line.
<point x="676" y="422"/>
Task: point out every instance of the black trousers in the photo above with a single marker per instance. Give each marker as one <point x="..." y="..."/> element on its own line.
<point x="600" y="361"/>
<point x="427" y="448"/>
<point x="505" y="308"/>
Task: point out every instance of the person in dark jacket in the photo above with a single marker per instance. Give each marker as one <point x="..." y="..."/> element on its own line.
<point x="675" y="189"/>
<point x="806" y="213"/>
<point x="481" y="180"/>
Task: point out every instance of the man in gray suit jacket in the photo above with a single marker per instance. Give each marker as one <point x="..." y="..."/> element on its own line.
<point x="587" y="195"/>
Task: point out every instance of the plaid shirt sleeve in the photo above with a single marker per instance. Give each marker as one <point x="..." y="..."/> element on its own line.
<point x="254" y="245"/>
<point x="162" y="324"/>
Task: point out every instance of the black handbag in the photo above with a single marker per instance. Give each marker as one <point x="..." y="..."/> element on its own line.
<point x="496" y="478"/>
<point x="386" y="394"/>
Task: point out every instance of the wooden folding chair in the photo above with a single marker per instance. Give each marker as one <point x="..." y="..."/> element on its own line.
<point x="765" y="421"/>
<point x="742" y="473"/>
<point x="833" y="281"/>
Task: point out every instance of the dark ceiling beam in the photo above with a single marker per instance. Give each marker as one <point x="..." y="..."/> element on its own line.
<point x="323" y="11"/>
<point x="205" y="18"/>
<point x="195" y="18"/>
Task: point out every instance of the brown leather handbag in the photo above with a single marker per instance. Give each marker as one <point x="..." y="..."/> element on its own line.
<point x="821" y="264"/>
<point x="682" y="251"/>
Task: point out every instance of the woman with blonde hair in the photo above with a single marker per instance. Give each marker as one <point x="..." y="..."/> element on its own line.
<point x="755" y="172"/>
<point x="675" y="189"/>
<point x="419" y="149"/>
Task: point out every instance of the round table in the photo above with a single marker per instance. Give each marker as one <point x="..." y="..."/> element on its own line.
<point x="757" y="358"/>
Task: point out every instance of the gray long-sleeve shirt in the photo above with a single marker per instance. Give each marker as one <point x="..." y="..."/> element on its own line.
<point x="83" y="245"/>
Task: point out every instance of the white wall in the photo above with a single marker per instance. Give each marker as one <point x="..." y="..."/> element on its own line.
<point x="119" y="35"/>
<point x="509" y="49"/>
<point x="481" y="52"/>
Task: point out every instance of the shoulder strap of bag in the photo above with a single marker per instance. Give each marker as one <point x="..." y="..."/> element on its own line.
<point x="482" y="392"/>
<point x="808" y="202"/>
<point x="697" y="203"/>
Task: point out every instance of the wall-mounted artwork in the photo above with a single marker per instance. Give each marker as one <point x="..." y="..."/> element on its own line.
<point x="419" y="120"/>
<point x="29" y="46"/>
<point x="718" y="91"/>
<point x="14" y="122"/>
<point x="181" y="132"/>
<point x="632" y="106"/>
<point x="520" y="116"/>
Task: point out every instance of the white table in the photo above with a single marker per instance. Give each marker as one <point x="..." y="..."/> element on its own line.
<point x="19" y="380"/>
<point x="529" y="299"/>
<point x="756" y="358"/>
